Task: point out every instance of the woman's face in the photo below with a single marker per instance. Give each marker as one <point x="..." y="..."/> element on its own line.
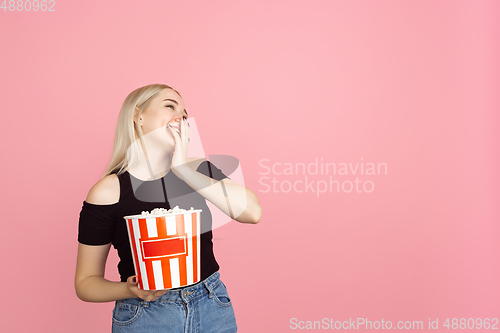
<point x="165" y="108"/>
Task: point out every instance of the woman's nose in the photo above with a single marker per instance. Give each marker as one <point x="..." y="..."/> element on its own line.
<point x="175" y="122"/>
<point x="177" y="117"/>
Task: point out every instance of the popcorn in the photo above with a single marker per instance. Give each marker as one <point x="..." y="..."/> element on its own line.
<point x="162" y="211"/>
<point x="166" y="248"/>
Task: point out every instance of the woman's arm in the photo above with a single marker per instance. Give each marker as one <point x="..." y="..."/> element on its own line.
<point x="90" y="284"/>
<point x="241" y="204"/>
<point x="234" y="200"/>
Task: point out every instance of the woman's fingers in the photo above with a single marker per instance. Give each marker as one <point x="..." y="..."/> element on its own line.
<point x="147" y="295"/>
<point x="181" y="145"/>
<point x="188" y="130"/>
<point x="175" y="133"/>
<point x="154" y="295"/>
<point x="183" y="131"/>
<point x="161" y="293"/>
<point x="173" y="129"/>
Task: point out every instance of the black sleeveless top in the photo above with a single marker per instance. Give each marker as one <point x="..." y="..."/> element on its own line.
<point x="104" y="224"/>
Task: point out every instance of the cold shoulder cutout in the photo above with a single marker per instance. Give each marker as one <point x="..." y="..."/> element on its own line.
<point x="105" y="192"/>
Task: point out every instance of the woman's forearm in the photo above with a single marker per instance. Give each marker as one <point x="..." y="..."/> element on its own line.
<point x="97" y="289"/>
<point x="237" y="202"/>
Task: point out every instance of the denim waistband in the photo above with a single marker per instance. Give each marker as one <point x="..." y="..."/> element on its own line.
<point x="187" y="293"/>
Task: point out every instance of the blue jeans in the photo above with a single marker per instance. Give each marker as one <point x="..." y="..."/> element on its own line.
<point x="204" y="307"/>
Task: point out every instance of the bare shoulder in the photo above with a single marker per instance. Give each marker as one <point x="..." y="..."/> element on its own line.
<point x="105" y="192"/>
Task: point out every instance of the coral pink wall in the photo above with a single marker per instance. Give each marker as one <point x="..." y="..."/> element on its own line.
<point x="410" y="84"/>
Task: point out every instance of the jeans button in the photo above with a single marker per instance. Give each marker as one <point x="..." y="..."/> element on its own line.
<point x="185" y="293"/>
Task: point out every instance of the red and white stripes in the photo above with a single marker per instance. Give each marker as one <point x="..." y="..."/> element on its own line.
<point x="165" y="249"/>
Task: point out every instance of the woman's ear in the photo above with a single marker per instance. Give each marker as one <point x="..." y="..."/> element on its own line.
<point x="136" y="114"/>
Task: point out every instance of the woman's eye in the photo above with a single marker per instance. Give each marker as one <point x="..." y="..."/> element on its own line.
<point x="171" y="106"/>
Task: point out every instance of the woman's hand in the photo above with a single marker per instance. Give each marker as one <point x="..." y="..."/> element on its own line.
<point x="181" y="137"/>
<point x="147" y="295"/>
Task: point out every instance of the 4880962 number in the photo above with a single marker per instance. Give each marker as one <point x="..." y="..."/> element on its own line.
<point x="471" y="323"/>
<point x="28" y="5"/>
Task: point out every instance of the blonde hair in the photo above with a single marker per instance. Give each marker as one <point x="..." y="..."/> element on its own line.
<point x="127" y="150"/>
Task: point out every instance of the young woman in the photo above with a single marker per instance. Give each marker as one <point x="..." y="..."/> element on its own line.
<point x="149" y="169"/>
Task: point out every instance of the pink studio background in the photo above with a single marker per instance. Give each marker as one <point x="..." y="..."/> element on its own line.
<point x="412" y="84"/>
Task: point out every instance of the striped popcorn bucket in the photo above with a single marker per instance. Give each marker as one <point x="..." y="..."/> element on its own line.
<point x="165" y="249"/>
